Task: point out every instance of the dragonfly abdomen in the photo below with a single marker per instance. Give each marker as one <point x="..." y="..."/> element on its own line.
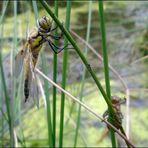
<point x="26" y="89"/>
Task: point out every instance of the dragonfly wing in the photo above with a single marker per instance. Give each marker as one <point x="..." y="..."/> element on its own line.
<point x="35" y="90"/>
<point x="34" y="85"/>
<point x="19" y="60"/>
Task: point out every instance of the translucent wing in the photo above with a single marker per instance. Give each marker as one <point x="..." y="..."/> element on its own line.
<point x="19" y="60"/>
<point x="35" y="90"/>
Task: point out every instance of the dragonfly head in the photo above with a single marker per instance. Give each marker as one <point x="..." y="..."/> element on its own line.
<point x="44" y="24"/>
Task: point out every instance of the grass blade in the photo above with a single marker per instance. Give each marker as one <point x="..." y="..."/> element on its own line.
<point x="13" y="78"/>
<point x="64" y="69"/>
<point x="55" y="79"/>
<point x="7" y="99"/>
<point x="46" y="90"/>
<point x="106" y="67"/>
<point x="35" y="9"/>
<point x="84" y="74"/>
<point x="1" y="85"/>
<point x="13" y="100"/>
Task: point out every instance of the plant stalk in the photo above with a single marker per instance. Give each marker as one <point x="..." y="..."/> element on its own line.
<point x="84" y="73"/>
<point x="64" y="75"/>
<point x="55" y="79"/>
<point x="106" y="67"/>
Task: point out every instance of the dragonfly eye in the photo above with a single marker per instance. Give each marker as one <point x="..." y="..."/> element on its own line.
<point x="45" y="24"/>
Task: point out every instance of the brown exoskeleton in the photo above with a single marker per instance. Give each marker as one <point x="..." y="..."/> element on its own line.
<point x="116" y="102"/>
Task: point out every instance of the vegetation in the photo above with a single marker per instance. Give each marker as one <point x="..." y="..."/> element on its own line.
<point x="104" y="55"/>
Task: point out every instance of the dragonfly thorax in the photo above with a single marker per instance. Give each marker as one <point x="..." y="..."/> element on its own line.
<point x="34" y="38"/>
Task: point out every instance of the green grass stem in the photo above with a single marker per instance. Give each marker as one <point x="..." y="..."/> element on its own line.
<point x="106" y="67"/>
<point x="6" y="96"/>
<point x="3" y="80"/>
<point x="64" y="75"/>
<point x="14" y="100"/>
<point x="3" y="118"/>
<point x="55" y="79"/>
<point x="35" y="9"/>
<point x="84" y="72"/>
<point x="46" y="90"/>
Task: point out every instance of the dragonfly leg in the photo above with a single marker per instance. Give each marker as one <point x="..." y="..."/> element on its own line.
<point x="56" y="37"/>
<point x="53" y="46"/>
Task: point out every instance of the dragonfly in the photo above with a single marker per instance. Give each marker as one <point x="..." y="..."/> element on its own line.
<point x="116" y="103"/>
<point x="28" y="56"/>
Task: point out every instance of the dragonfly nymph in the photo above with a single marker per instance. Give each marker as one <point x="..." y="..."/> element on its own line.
<point x="28" y="56"/>
<point x="116" y="103"/>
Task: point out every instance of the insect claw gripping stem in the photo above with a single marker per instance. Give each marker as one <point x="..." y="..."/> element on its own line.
<point x="52" y="44"/>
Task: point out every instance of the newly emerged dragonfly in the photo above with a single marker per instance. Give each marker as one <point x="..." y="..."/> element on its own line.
<point x="28" y="56"/>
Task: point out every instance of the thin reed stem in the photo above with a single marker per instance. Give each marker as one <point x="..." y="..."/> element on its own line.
<point x="13" y="101"/>
<point x="84" y="73"/>
<point x="2" y="79"/>
<point x="64" y="74"/>
<point x="46" y="90"/>
<point x="106" y="67"/>
<point x="55" y="79"/>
